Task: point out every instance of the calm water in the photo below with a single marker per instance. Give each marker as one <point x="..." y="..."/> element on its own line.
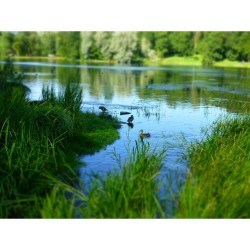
<point x="168" y="102"/>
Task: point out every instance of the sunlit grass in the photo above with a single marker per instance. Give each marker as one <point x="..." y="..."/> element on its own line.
<point x="131" y="192"/>
<point x="228" y="63"/>
<point x="55" y="58"/>
<point x="39" y="144"/>
<point x="218" y="186"/>
<point x="195" y="60"/>
<point x="176" y="60"/>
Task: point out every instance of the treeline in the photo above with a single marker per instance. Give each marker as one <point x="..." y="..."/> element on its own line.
<point x="128" y="47"/>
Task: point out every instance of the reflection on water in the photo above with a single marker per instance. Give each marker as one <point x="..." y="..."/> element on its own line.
<point x="168" y="102"/>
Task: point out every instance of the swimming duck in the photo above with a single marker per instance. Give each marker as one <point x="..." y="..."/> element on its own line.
<point x="144" y="135"/>
<point x="102" y="108"/>
<point x="130" y="119"/>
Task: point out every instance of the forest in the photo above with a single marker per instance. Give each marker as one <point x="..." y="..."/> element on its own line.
<point x="128" y="47"/>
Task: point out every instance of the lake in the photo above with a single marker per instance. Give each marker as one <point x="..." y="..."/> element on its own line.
<point x="171" y="103"/>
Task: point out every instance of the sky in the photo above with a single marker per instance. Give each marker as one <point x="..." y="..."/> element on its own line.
<point x="124" y="15"/>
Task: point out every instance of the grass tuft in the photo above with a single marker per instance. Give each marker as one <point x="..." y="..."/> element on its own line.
<point x="39" y="143"/>
<point x="218" y="186"/>
<point x="131" y="192"/>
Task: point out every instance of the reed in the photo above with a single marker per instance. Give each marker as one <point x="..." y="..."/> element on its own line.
<point x="218" y="186"/>
<point x="38" y="161"/>
<point x="131" y="192"/>
<point x="69" y="98"/>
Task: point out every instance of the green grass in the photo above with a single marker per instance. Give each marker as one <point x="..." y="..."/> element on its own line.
<point x="195" y="60"/>
<point x="131" y="192"/>
<point x="95" y="132"/>
<point x="218" y="186"/>
<point x="228" y="63"/>
<point x="54" y="58"/>
<point x="39" y="145"/>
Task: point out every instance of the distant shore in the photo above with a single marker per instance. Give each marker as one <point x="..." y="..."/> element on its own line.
<point x="174" y="60"/>
<point x="195" y="61"/>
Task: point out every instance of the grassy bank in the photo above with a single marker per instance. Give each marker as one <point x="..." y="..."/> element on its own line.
<point x="218" y="186"/>
<point x="233" y="64"/>
<point x="42" y="58"/>
<point x="175" y="60"/>
<point x="39" y="144"/>
<point x="60" y="59"/>
<point x="195" y="60"/>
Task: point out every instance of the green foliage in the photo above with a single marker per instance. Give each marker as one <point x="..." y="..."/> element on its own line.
<point x="212" y="47"/>
<point x="48" y="43"/>
<point x="39" y="142"/>
<point x="128" y="47"/>
<point x="120" y="46"/>
<point x="123" y="46"/>
<point x="95" y="45"/>
<point x="68" y="44"/>
<point x="87" y="41"/>
<point x="244" y="46"/>
<point x="102" y="41"/>
<point x="26" y="43"/>
<point x="218" y="186"/>
<point x="131" y="192"/>
<point x="20" y="44"/>
<point x="182" y="43"/>
<point x="232" y="47"/>
<point x="163" y="46"/>
<point x="6" y="41"/>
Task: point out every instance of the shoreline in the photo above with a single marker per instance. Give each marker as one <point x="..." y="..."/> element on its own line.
<point x="174" y="61"/>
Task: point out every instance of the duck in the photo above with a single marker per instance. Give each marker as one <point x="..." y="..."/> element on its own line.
<point x="144" y="135"/>
<point x="130" y="119"/>
<point x="102" y="108"/>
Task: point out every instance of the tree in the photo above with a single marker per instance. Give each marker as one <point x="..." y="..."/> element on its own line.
<point x="68" y="44"/>
<point x="87" y="41"/>
<point x="146" y="49"/>
<point x="212" y="47"/>
<point x="149" y="36"/>
<point x="6" y="40"/>
<point x="102" y="41"/>
<point x="21" y="44"/>
<point x="163" y="45"/>
<point x="27" y="44"/>
<point x="34" y="47"/>
<point x="232" y="46"/>
<point x="244" y="45"/>
<point x="182" y="43"/>
<point x="48" y="43"/>
<point x="123" y="45"/>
